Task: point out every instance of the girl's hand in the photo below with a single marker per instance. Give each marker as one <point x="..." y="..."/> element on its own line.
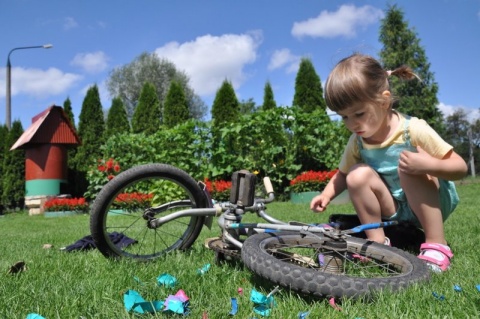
<point x="415" y="163"/>
<point x="319" y="203"/>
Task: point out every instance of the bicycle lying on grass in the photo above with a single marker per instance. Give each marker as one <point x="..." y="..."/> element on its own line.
<point x="171" y="208"/>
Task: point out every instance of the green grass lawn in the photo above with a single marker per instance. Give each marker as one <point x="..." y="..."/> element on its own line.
<point x="63" y="285"/>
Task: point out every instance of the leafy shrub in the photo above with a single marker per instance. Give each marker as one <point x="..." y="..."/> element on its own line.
<point x="99" y="175"/>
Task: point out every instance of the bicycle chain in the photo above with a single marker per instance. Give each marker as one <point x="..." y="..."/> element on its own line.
<point x="219" y="246"/>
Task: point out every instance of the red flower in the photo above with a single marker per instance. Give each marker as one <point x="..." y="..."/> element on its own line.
<point x="311" y="181"/>
<point x="109" y="164"/>
<point x="219" y="190"/>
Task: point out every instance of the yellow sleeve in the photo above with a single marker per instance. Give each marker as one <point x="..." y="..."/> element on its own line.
<point x="423" y="135"/>
<point x="351" y="155"/>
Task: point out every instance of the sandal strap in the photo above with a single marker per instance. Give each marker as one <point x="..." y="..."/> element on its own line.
<point x="443" y="264"/>
<point x="436" y="247"/>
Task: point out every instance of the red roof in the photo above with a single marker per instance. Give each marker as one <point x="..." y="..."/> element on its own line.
<point x="51" y="126"/>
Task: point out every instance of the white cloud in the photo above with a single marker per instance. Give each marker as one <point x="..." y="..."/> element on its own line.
<point x="346" y="21"/>
<point x="284" y="57"/>
<point x="40" y="83"/>
<point x="91" y="62"/>
<point x="472" y="114"/>
<point x="69" y="23"/>
<point x="209" y="60"/>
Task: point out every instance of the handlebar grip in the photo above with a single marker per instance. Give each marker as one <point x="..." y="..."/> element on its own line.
<point x="268" y="184"/>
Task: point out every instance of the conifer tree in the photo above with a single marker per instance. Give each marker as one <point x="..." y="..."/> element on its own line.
<point x="175" y="109"/>
<point x="13" y="175"/>
<point x="401" y="46"/>
<point x="268" y="99"/>
<point x="117" y="121"/>
<point x="3" y="153"/>
<point x="147" y="115"/>
<point x="308" y="88"/>
<point x="225" y="108"/>
<point x="67" y="108"/>
<point x="91" y="128"/>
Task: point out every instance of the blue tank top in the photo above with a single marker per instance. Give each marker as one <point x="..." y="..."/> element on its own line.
<point x="385" y="161"/>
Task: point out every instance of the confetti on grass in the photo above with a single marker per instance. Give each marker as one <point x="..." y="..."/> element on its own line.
<point x="263" y="304"/>
<point x="334" y="305"/>
<point x="166" y="280"/>
<point x="234" y="310"/>
<point x="439" y="297"/>
<point x="204" y="269"/>
<point x="134" y="302"/>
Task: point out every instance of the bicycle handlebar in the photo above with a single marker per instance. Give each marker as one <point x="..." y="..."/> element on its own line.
<point x="268" y="184"/>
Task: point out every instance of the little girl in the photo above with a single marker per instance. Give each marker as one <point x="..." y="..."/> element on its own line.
<point x="394" y="166"/>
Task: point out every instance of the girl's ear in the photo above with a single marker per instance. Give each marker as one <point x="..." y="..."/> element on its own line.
<point x="387" y="97"/>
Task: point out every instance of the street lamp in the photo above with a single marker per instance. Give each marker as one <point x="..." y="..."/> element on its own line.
<point x="9" y="70"/>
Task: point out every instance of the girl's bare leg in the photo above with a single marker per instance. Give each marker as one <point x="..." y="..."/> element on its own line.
<point x="371" y="198"/>
<point x="423" y="198"/>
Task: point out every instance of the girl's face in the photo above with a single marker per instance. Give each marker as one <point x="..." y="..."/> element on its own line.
<point x="368" y="121"/>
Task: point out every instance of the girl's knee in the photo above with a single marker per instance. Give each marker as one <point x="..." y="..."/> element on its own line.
<point x="359" y="175"/>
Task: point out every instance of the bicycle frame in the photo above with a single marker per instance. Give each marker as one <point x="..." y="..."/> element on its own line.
<point x="230" y="216"/>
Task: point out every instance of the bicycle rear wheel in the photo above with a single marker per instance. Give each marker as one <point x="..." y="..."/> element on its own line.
<point x="323" y="267"/>
<point x="118" y="212"/>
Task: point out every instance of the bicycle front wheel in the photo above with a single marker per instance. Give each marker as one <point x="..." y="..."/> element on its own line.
<point x="118" y="223"/>
<point x="323" y="267"/>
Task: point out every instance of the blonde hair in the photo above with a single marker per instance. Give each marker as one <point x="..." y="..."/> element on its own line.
<point x="361" y="79"/>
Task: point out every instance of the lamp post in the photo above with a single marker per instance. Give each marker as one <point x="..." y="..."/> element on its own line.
<point x="9" y="71"/>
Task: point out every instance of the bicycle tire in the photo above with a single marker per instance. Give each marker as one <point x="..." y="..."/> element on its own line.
<point x="146" y="186"/>
<point x="292" y="260"/>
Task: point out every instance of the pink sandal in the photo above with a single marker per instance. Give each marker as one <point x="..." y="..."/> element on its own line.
<point x="437" y="256"/>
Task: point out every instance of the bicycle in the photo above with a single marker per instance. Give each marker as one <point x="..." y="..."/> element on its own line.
<point x="169" y="209"/>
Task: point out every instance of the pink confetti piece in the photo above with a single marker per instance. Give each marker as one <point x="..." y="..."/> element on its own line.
<point x="333" y="304"/>
<point x="240" y="291"/>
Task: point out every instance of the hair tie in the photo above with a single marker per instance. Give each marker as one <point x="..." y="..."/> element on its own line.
<point x="389" y="72"/>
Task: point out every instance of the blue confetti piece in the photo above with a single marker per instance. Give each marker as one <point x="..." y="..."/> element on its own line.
<point x="439" y="297"/>
<point x="204" y="269"/>
<point x="478" y="287"/>
<point x="166" y="280"/>
<point x="134" y="302"/>
<point x="234" y="310"/>
<point x="34" y="316"/>
<point x="457" y="288"/>
<point x="303" y="315"/>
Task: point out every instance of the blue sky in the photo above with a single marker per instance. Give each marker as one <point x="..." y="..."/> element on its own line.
<point x="247" y="42"/>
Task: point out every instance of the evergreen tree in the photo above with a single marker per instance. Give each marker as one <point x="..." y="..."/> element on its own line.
<point x="91" y="128"/>
<point x="225" y="108"/>
<point x="308" y="88"/>
<point x="117" y="121"/>
<point x="3" y="153"/>
<point x="13" y="175"/>
<point x="175" y="109"/>
<point x="402" y="47"/>
<point x="67" y="108"/>
<point x="268" y="99"/>
<point x="147" y="115"/>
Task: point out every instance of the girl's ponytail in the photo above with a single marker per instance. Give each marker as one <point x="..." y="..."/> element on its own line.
<point x="403" y="72"/>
